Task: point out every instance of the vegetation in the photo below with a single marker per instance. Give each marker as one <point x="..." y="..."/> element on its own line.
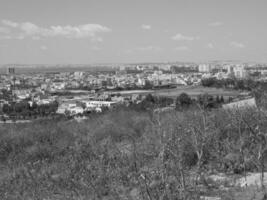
<point x="151" y="102"/>
<point x="232" y="83"/>
<point x="23" y="110"/>
<point x="132" y="154"/>
<point x="182" y="102"/>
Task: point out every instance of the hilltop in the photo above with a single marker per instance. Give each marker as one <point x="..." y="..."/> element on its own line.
<point x="128" y="154"/>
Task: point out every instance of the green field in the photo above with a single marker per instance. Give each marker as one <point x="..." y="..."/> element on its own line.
<point x="190" y="90"/>
<point x="195" y="91"/>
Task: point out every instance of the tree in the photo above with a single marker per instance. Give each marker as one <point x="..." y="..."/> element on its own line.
<point x="207" y="101"/>
<point x="183" y="101"/>
<point x="218" y="99"/>
<point x="222" y="99"/>
<point x="148" y="85"/>
<point x="150" y="98"/>
<point x="201" y="129"/>
<point x="230" y="99"/>
<point x="6" y="108"/>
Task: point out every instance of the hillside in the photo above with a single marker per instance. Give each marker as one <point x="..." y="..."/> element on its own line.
<point x="125" y="154"/>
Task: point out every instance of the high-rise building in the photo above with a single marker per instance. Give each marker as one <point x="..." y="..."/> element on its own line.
<point x="10" y="70"/>
<point x="240" y="72"/>
<point x="230" y="69"/>
<point x="204" y="68"/>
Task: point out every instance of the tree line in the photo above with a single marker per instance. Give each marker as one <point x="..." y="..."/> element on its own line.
<point x="182" y="102"/>
<point x="23" y="110"/>
<point x="233" y="83"/>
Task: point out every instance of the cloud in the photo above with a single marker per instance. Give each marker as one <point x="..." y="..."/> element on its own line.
<point x="146" y="27"/>
<point x="143" y="49"/>
<point x="36" y="38"/>
<point x="19" y="37"/>
<point x="149" y="48"/>
<point x="4" y="30"/>
<point x="128" y="51"/>
<point x="180" y="37"/>
<point x="28" y="29"/>
<point x="95" y="48"/>
<point x="210" y="46"/>
<point x="5" y="37"/>
<point x="8" y="37"/>
<point x="181" y="48"/>
<point x="237" y="44"/>
<point x="43" y="47"/>
<point x="216" y="24"/>
<point x="9" y="23"/>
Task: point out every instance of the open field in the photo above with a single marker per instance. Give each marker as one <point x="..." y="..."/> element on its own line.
<point x="195" y="91"/>
<point x="190" y="90"/>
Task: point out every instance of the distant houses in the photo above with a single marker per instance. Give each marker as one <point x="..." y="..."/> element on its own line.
<point x="75" y="108"/>
<point x="99" y="104"/>
<point x="22" y="94"/>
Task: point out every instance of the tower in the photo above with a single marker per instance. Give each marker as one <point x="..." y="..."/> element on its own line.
<point x="10" y="70"/>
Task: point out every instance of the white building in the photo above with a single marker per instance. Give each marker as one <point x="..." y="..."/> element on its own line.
<point x="98" y="104"/>
<point x="221" y="75"/>
<point x="58" y="85"/>
<point x="65" y="107"/>
<point x="22" y="94"/>
<point x="141" y="82"/>
<point x="240" y="72"/>
<point x="230" y="69"/>
<point x="44" y="101"/>
<point x="78" y="75"/>
<point x="76" y="110"/>
<point x="204" y="68"/>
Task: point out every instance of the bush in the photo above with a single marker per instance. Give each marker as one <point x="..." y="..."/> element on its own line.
<point x="125" y="152"/>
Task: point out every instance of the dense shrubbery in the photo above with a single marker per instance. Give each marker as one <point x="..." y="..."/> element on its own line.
<point x="204" y="101"/>
<point x="151" y="102"/>
<point x="182" y="102"/>
<point x="238" y="84"/>
<point x="23" y="110"/>
<point x="127" y="154"/>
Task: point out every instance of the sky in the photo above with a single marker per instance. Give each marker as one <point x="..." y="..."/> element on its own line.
<point x="127" y="31"/>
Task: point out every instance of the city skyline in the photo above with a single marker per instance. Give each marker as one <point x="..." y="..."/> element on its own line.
<point x="122" y="31"/>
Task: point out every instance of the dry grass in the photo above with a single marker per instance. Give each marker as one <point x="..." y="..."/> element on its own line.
<point x="120" y="155"/>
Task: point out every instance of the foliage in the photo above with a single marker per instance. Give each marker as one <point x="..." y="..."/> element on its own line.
<point x="205" y="101"/>
<point x="128" y="154"/>
<point x="23" y="109"/>
<point x="232" y="83"/>
<point x="151" y="102"/>
<point x="183" y="100"/>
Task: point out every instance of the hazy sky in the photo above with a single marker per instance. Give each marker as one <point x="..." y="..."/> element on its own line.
<point x="90" y="31"/>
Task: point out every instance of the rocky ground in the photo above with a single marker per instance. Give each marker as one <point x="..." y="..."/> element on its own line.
<point x="236" y="187"/>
